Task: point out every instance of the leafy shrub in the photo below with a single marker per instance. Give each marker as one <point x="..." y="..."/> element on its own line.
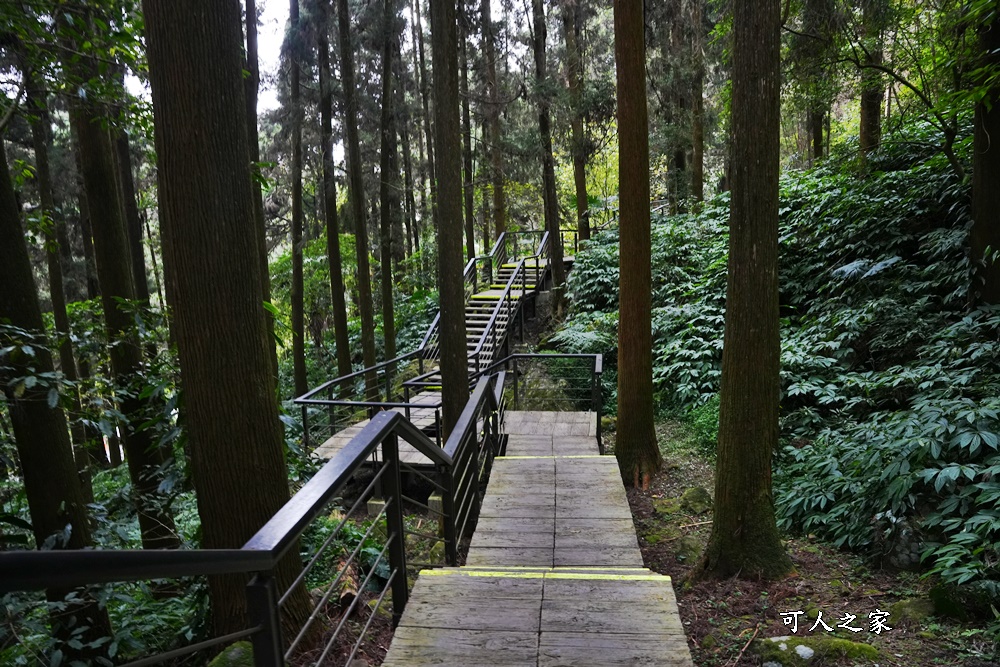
<point x="704" y="423"/>
<point x="890" y="381"/>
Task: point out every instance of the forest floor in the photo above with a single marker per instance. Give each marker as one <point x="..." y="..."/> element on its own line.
<point x="722" y="617"/>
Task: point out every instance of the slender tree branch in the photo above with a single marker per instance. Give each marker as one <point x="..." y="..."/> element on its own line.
<point x="15" y="103"/>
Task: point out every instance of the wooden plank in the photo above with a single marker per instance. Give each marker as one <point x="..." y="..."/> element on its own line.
<point x="540" y="447"/>
<point x="510" y="556"/>
<point x="571" y="649"/>
<point x="505" y="524"/>
<point x="603" y="555"/>
<point x="610" y="616"/>
<point x="525" y="512"/>
<point x="576" y="511"/>
<point x="599" y="496"/>
<point x="448" y="585"/>
<point x="509" y="615"/>
<point x="655" y="590"/>
<point x="510" y="538"/>
<point x="605" y="532"/>
<point x="438" y="647"/>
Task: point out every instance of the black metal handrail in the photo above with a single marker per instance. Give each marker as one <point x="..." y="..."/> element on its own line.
<point x="510" y="365"/>
<point x="505" y="304"/>
<point x="472" y="440"/>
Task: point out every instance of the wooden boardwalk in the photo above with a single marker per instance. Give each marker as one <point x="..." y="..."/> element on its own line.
<point x="554" y="575"/>
<point x="422" y="417"/>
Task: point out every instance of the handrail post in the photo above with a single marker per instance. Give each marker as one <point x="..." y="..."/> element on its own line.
<point x="597" y="405"/>
<point x="392" y="488"/>
<point x="450" y="520"/>
<point x="262" y="609"/>
<point x="305" y="426"/>
<point x="517" y="396"/>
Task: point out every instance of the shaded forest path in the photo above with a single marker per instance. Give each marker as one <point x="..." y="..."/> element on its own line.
<point x="554" y="575"/>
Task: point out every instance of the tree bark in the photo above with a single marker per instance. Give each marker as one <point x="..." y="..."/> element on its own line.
<point x="41" y="140"/>
<point x="744" y="540"/>
<point x="133" y="224"/>
<point x="636" y="449"/>
<point x="86" y="230"/>
<point x="698" y="106"/>
<point x="985" y="236"/>
<point x="251" y="85"/>
<point x="493" y="122"/>
<point x="410" y="214"/>
<point x="470" y="225"/>
<point x="574" y="77"/>
<point x="454" y="364"/>
<point x="872" y="88"/>
<point x="816" y="129"/>
<point x="114" y="271"/>
<point x="54" y="493"/>
<point x="298" y="306"/>
<point x="213" y="284"/>
<point x="425" y="97"/>
<point x="388" y="180"/>
<point x="356" y="196"/>
<point x="551" y="203"/>
<point x="339" y="305"/>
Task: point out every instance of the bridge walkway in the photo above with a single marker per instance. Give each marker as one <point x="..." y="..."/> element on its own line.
<point x="554" y="575"/>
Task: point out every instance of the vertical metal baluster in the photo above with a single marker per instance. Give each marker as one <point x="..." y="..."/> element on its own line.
<point x="305" y="426"/>
<point x="262" y="609"/>
<point x="448" y="494"/>
<point x="394" y="526"/>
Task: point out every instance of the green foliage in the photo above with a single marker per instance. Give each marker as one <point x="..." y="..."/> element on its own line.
<point x="703" y="421"/>
<point x="890" y="381"/>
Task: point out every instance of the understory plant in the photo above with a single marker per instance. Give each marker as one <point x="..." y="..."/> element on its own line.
<point x="890" y="375"/>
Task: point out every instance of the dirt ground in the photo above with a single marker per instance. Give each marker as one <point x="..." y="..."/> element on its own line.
<point x="722" y="617"/>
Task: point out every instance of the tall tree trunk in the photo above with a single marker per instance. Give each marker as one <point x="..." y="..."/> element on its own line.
<point x="985" y="177"/>
<point x="55" y="496"/>
<point x="872" y="88"/>
<point x="356" y="196"/>
<point x="454" y="364"/>
<point x="744" y="540"/>
<point x="551" y="203"/>
<point x="41" y="140"/>
<point x="410" y="214"/>
<point x="152" y="262"/>
<point x="251" y="85"/>
<point x="388" y="179"/>
<point x="467" y="162"/>
<point x="202" y="146"/>
<point x="340" y="327"/>
<point x="574" y="77"/>
<point x="86" y="229"/>
<point x="470" y="223"/>
<point x="493" y="121"/>
<point x="638" y="455"/>
<point x="133" y="224"/>
<point x="487" y="238"/>
<point x="298" y="307"/>
<point x="816" y="128"/>
<point x="114" y="271"/>
<point x="421" y="119"/>
<point x="425" y="97"/>
<point x="697" y="106"/>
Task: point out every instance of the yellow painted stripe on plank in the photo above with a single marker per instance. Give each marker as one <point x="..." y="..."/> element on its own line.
<point x="561" y="568"/>
<point x="483" y="573"/>
<point x="606" y="577"/>
<point x="557" y="456"/>
<point x="546" y="574"/>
